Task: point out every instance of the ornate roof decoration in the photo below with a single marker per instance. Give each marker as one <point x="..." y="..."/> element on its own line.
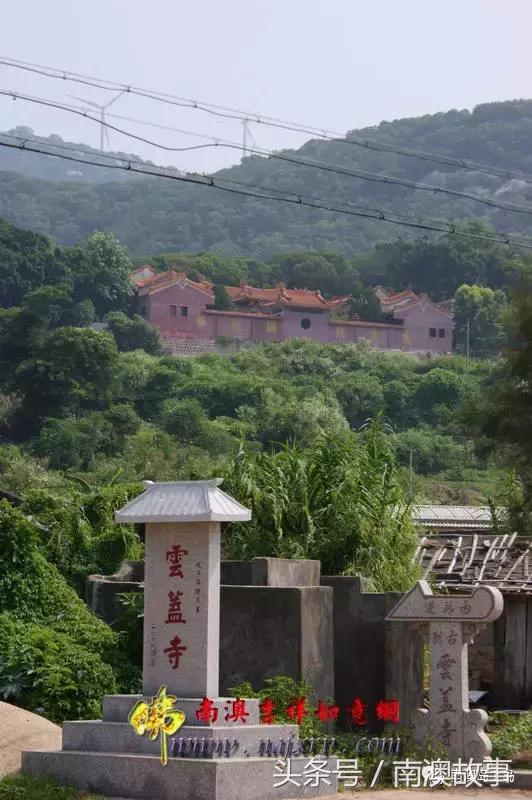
<point x="280" y="295"/>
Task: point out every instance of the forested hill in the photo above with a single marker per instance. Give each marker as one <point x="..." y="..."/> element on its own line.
<point x="155" y="216"/>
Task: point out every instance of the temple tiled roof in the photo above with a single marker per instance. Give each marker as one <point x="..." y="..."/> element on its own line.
<point x="400" y="301"/>
<point x="162" y="280"/>
<point x="280" y="295"/>
<point x="254" y="314"/>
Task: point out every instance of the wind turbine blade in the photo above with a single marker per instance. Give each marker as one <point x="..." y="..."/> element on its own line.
<point x="118" y="96"/>
<point x="83" y="100"/>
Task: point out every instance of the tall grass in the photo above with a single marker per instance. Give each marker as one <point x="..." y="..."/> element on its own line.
<point x="340" y="501"/>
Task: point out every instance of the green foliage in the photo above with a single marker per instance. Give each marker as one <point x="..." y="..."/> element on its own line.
<point x="222" y="301"/>
<point x="24" y="787"/>
<point x="360" y="396"/>
<point x="482" y="309"/>
<point x="161" y="217"/>
<point x="133" y="333"/>
<point x="501" y="415"/>
<point x="72" y="370"/>
<point x="161" y="384"/>
<point x="34" y="590"/>
<point x="100" y="270"/>
<point x="27" y="261"/>
<point x="438" y="390"/>
<point x="44" y="670"/>
<point x="184" y="419"/>
<point x="340" y="502"/>
<point x="511" y="736"/>
<point x="284" y="691"/>
<point x="72" y="443"/>
<point x="79" y="534"/>
<point x="434" y="452"/>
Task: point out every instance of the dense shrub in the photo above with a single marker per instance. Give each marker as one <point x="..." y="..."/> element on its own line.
<point x="45" y="671"/>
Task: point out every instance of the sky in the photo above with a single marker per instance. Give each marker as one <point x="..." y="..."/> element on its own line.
<point x="340" y="64"/>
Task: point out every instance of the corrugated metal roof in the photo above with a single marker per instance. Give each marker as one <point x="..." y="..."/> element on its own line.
<point x="183" y="501"/>
<point x="473" y="517"/>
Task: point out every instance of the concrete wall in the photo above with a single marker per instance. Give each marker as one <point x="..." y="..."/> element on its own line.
<point x="267" y="631"/>
<point x="418" y="320"/>
<point x="158" y="308"/>
<point x="204" y="324"/>
<point x="285" y="572"/>
<point x="513" y="653"/>
<point x="236" y="573"/>
<point x="373" y="660"/>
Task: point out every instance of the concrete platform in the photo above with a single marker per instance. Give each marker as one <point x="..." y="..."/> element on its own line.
<point x="142" y="777"/>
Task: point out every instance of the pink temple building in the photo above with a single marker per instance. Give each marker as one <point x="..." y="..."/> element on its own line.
<point x="181" y="309"/>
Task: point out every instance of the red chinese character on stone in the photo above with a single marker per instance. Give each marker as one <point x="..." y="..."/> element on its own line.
<point x="175" y="651"/>
<point x="325" y="712"/>
<point x="388" y="710"/>
<point x="358" y="712"/>
<point x="207" y="712"/>
<point x="175" y="557"/>
<point x="266" y="708"/>
<point x="238" y="713"/>
<point x="297" y="710"/>
<point x="174" y="608"/>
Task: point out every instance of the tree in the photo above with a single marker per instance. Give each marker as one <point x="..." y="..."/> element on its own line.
<point x="360" y="396"/>
<point x="72" y="370"/>
<point x="101" y="270"/>
<point x="222" y="301"/>
<point x="133" y="333"/>
<point x="54" y="307"/>
<point x="72" y="443"/>
<point x="332" y="273"/>
<point x="438" y="388"/>
<point x="161" y="385"/>
<point x="482" y="309"/>
<point x="184" y="419"/>
<point x="502" y="412"/>
<point x="27" y="261"/>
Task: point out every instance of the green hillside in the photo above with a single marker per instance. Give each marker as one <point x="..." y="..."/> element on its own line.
<point x="157" y="216"/>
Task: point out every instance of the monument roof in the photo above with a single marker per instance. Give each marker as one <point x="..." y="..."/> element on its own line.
<point x="183" y="501"/>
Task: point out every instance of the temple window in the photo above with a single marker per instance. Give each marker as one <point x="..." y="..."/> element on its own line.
<point x="305" y="323"/>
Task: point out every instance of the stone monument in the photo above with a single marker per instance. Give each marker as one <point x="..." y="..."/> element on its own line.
<point x="451" y="622"/>
<point x="218" y="753"/>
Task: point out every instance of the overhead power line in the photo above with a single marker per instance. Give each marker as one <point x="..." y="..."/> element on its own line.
<point x="373" y="177"/>
<point x="260" y="119"/>
<point x="227" y="185"/>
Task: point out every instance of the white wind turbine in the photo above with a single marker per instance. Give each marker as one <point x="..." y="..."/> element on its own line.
<point x="104" y="133"/>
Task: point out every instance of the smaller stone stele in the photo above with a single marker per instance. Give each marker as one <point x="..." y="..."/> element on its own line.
<point x="451" y="622"/>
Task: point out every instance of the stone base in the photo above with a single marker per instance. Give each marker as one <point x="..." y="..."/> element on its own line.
<point x="98" y="736"/>
<point x="143" y="777"/>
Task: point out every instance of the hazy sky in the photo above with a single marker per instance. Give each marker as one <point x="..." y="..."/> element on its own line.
<point x="340" y="64"/>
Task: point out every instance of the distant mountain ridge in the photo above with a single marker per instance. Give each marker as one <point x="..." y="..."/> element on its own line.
<point x="32" y="165"/>
<point x="153" y="216"/>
